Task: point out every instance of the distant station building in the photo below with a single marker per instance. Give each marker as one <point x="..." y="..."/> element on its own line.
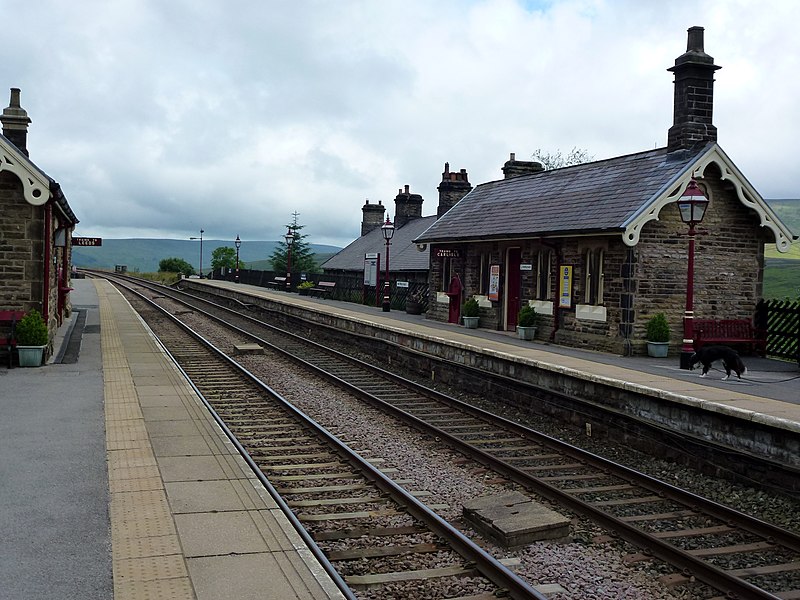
<point x="36" y="224"/>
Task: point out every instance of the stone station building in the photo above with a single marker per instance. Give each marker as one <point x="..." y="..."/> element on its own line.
<point x="598" y="248"/>
<point x="36" y="225"/>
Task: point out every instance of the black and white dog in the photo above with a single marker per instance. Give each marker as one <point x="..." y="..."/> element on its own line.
<point x="729" y="357"/>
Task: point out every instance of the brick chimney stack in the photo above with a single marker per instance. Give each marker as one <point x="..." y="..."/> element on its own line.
<point x="694" y="96"/>
<point x="518" y="168"/>
<point x="15" y="123"/>
<point x="408" y="206"/>
<point x="372" y="216"/>
<point x="453" y="188"/>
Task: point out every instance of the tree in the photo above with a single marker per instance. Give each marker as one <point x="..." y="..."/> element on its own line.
<point x="224" y="256"/>
<point x="175" y="265"/>
<point x="557" y="160"/>
<point x="302" y="255"/>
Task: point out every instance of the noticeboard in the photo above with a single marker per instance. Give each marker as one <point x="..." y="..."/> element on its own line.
<point x="494" y="283"/>
<point x="565" y="286"/>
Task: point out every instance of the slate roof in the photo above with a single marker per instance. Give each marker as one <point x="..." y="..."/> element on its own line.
<point x="596" y="197"/>
<point x="403" y="253"/>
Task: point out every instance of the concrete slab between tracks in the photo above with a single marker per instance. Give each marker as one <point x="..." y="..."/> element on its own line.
<point x="652" y="390"/>
<point x="161" y="506"/>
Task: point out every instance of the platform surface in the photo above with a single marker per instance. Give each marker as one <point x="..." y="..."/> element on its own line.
<point x="117" y="482"/>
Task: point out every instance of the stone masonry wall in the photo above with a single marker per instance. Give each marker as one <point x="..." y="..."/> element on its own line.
<point x="21" y="248"/>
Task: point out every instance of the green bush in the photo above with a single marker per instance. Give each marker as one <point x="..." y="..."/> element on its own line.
<point x="306" y="285"/>
<point x="471" y="308"/>
<point x="32" y="330"/>
<point x="526" y="317"/>
<point x="658" y="328"/>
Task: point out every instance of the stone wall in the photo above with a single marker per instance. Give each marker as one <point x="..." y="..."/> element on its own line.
<point x="21" y="248"/>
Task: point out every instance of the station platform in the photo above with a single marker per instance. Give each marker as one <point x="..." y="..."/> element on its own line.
<point x="117" y="482"/>
<point x="768" y="393"/>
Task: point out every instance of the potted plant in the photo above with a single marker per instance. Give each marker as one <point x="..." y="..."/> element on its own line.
<point x="658" y="335"/>
<point x="304" y="287"/>
<point x="470" y="312"/>
<point x="415" y="302"/>
<point x="526" y="323"/>
<point x="32" y="338"/>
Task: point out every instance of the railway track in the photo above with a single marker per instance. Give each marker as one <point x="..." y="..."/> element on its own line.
<point x="740" y="556"/>
<point x="381" y="541"/>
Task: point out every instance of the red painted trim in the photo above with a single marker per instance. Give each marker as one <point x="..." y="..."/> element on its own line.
<point x="48" y="241"/>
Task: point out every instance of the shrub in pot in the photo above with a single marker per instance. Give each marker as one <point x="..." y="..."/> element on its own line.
<point x="32" y="338"/>
<point x="526" y="322"/>
<point x="303" y="288"/>
<point x="658" y="335"/>
<point x="32" y="330"/>
<point x="471" y="313"/>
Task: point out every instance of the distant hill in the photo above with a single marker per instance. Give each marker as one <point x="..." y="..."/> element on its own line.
<point x="143" y="255"/>
<point x="788" y="211"/>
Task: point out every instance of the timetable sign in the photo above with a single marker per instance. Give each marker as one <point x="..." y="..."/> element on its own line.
<point x="87" y="241"/>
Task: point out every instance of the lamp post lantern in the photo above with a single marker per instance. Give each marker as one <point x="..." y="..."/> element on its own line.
<point x="387" y="229"/>
<point x="289" y="237"/>
<point x="201" y="250"/>
<point x="692" y="206"/>
<point x="238" y="244"/>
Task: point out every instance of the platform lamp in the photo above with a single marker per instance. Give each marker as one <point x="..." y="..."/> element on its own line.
<point x="289" y="237"/>
<point x="387" y="229"/>
<point x="692" y="206"/>
<point x="201" y="250"/>
<point x="238" y="244"/>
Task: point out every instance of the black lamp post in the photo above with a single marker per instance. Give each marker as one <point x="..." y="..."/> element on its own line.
<point x="692" y="206"/>
<point x="238" y="244"/>
<point x="201" y="251"/>
<point x="289" y="237"/>
<point x="388" y="231"/>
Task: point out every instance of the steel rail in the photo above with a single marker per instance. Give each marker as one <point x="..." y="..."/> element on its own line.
<point x="486" y="564"/>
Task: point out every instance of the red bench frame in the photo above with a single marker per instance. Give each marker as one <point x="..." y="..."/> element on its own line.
<point x="8" y="320"/>
<point x="729" y="332"/>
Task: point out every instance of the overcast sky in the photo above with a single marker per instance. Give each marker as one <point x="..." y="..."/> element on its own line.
<point x="162" y="117"/>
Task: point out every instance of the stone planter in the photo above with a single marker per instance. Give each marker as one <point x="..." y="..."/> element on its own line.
<point x="657" y="349"/>
<point x="30" y="356"/>
<point x="471" y="322"/>
<point x="526" y="333"/>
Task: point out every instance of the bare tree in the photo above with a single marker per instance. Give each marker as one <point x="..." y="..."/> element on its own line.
<point x="557" y="159"/>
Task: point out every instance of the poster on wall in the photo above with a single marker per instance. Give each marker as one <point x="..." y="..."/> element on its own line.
<point x="494" y="283"/>
<point x="371" y="269"/>
<point x="565" y="287"/>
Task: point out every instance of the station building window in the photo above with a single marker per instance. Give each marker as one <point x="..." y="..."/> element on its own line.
<point x="593" y="277"/>
<point x="544" y="264"/>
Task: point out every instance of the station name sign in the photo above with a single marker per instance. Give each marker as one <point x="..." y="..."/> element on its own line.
<point x="87" y="241"/>
<point x="446" y="253"/>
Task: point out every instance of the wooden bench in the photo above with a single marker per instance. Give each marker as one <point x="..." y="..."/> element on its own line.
<point x="322" y="289"/>
<point x="8" y="323"/>
<point x="279" y="283"/>
<point x="729" y="332"/>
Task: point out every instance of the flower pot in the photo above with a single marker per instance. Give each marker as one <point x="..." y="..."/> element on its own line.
<point x="303" y="291"/>
<point x="657" y="349"/>
<point x="30" y="356"/>
<point x="471" y="322"/>
<point x="526" y="333"/>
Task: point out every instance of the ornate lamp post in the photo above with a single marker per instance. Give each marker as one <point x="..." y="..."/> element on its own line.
<point x="388" y="231"/>
<point x="238" y="244"/>
<point x="201" y="251"/>
<point x="289" y="237"/>
<point x="692" y="206"/>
